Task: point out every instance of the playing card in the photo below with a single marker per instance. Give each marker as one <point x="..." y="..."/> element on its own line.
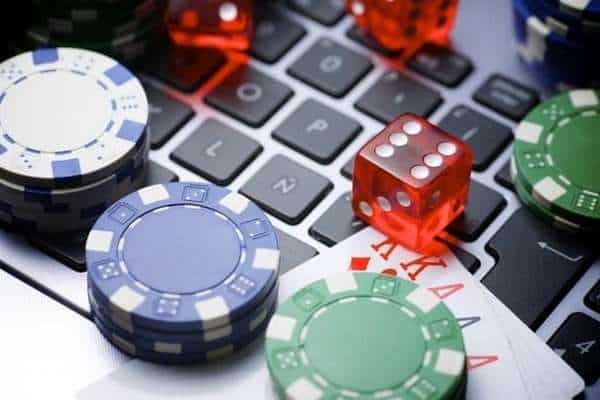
<point x="546" y="375"/>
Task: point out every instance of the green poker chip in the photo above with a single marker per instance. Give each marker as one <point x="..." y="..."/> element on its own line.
<point x="367" y="336"/>
<point x="556" y="155"/>
<point x="544" y="214"/>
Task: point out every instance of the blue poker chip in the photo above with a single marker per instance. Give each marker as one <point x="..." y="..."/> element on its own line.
<point x="96" y="126"/>
<point x="196" y="342"/>
<point x="589" y="9"/>
<point x="555" y="60"/>
<point x="182" y="257"/>
<point x="167" y="356"/>
<point x="574" y="28"/>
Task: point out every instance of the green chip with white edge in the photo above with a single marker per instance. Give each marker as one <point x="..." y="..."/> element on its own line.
<point x="365" y="336"/>
<point x="557" y="158"/>
<point x="544" y="214"/>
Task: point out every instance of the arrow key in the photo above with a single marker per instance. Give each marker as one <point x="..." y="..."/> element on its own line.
<point x="216" y="152"/>
<point x="536" y="265"/>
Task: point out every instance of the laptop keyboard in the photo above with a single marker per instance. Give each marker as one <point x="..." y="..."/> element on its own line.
<point x="530" y="276"/>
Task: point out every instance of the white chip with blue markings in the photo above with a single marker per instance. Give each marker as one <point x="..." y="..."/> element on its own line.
<point x="67" y="117"/>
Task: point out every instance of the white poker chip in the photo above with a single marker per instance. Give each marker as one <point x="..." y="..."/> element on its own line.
<point x="67" y="117"/>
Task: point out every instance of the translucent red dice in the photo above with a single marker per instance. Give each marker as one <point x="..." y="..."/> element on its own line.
<point x="411" y="180"/>
<point x="405" y="25"/>
<point x="224" y="24"/>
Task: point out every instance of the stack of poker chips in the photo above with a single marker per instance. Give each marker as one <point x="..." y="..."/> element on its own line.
<point x="73" y="139"/>
<point x="555" y="164"/>
<point x="124" y="29"/>
<point x="365" y="336"/>
<point x="182" y="273"/>
<point x="559" y="39"/>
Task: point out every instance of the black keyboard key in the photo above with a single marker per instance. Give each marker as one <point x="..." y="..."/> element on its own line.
<point x="577" y="341"/>
<point x="348" y="168"/>
<point x="72" y="252"/>
<point x="483" y="206"/>
<point x="441" y="64"/>
<point x="69" y="252"/>
<point x="167" y="115"/>
<point x="158" y="174"/>
<point x="286" y="189"/>
<point x="503" y="176"/>
<point x="249" y="95"/>
<point x="317" y="131"/>
<point x="486" y="137"/>
<point x="185" y="68"/>
<point x="331" y="67"/>
<point x="217" y="152"/>
<point x="363" y="38"/>
<point x="536" y="265"/>
<point x="326" y="12"/>
<point x="274" y="35"/>
<point x="293" y="252"/>
<point x="394" y="94"/>
<point x="507" y="97"/>
<point x="337" y="223"/>
<point x="592" y="299"/>
<point x="468" y="260"/>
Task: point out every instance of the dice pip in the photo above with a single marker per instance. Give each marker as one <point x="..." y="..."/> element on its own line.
<point x="411" y="180"/>
<point x="223" y="24"/>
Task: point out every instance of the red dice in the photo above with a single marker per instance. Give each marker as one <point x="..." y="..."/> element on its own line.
<point x="405" y="25"/>
<point x="224" y="24"/>
<point x="411" y="180"/>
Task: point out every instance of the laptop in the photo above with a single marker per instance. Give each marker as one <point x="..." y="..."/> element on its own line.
<point x="476" y="91"/>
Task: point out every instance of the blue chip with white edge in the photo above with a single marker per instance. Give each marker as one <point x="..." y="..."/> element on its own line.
<point x="169" y="355"/>
<point x="556" y="59"/>
<point x="579" y="8"/>
<point x="182" y="257"/>
<point x="575" y="28"/>
<point x="67" y="117"/>
<point x="188" y="342"/>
